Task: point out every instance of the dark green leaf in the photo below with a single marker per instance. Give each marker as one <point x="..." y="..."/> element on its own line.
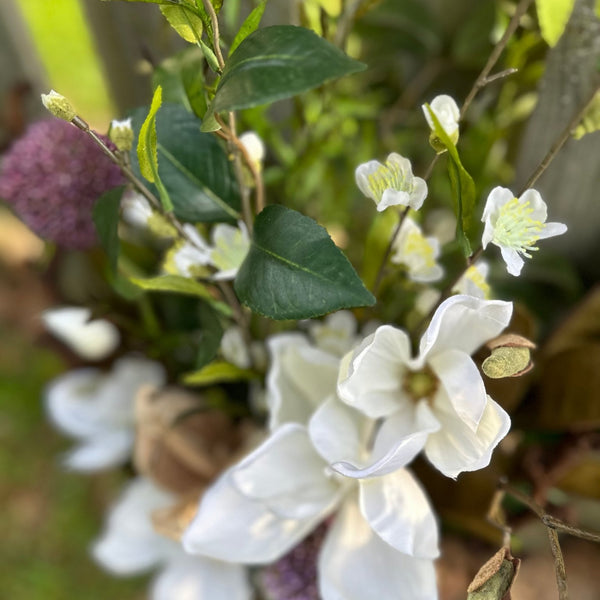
<point x="194" y="168"/>
<point x="463" y="187"/>
<point x="295" y="271"/>
<point x="106" y="219"/>
<point x="211" y="334"/>
<point x="279" y="62"/>
<point x="249" y="26"/>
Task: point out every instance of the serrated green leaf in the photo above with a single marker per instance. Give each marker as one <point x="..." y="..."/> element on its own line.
<point x="463" y="186"/>
<point x="218" y="372"/>
<point x="184" y="20"/>
<point x="249" y="25"/>
<point x="147" y="153"/>
<point x="294" y="270"/>
<point x="181" y="285"/>
<point x="279" y="62"/>
<point x="105" y="215"/>
<point x="591" y="120"/>
<point x="553" y="16"/>
<point x="194" y="168"/>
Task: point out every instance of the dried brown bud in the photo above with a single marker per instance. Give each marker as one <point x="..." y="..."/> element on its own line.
<point x="495" y="578"/>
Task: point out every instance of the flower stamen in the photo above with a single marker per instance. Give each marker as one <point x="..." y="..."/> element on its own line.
<point x="516" y="229"/>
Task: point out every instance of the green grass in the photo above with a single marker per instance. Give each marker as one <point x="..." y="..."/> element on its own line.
<point x="65" y="47"/>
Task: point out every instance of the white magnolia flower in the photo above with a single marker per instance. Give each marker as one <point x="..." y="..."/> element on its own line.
<point x="417" y="253"/>
<point x="130" y="545"/>
<point x="92" y="340"/>
<point x="391" y="184"/>
<point x="447" y="112"/>
<point x="304" y="373"/>
<point x="435" y="401"/>
<point x="473" y="282"/>
<point x="229" y="249"/>
<point x="98" y="410"/>
<point x="383" y="538"/>
<point x="516" y="224"/>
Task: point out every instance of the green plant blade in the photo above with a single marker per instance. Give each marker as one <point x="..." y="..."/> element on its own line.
<point x="218" y="372"/>
<point x="105" y="215"/>
<point x="553" y="16"/>
<point x="295" y="271"/>
<point x="250" y="25"/>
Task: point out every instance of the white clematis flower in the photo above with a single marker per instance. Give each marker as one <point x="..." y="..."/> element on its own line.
<point x="417" y="253"/>
<point x="435" y="401"/>
<point x="98" y="410"/>
<point x="391" y="184"/>
<point x="384" y="536"/>
<point x="446" y="110"/>
<point x="474" y="281"/>
<point x="130" y="545"/>
<point x="304" y="372"/>
<point x="92" y="340"/>
<point x="229" y="249"/>
<point x="516" y="224"/>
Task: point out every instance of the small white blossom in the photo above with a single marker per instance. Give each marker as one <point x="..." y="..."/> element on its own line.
<point x="447" y="112"/>
<point x="135" y="209"/>
<point x="391" y="184"/>
<point x="98" y="410"/>
<point x="91" y="339"/>
<point x="516" y="224"/>
<point x="254" y="147"/>
<point x="234" y="349"/>
<point x="417" y="253"/>
<point x="130" y="545"/>
<point x="436" y="401"/>
<point x="473" y="282"/>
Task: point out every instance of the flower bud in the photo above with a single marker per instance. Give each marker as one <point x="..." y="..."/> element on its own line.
<point x="59" y="106"/>
<point x="510" y="357"/>
<point x="121" y="134"/>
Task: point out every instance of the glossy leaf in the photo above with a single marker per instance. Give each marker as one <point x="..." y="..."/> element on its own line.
<point x="106" y="219"/>
<point x="463" y="186"/>
<point x="553" y="16"/>
<point x="294" y="270"/>
<point x="278" y="62"/>
<point x="218" y="372"/>
<point x="181" y="285"/>
<point x="249" y="26"/>
<point x="194" y="168"/>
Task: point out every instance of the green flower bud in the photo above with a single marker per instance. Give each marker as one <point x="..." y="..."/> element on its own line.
<point x="59" y="106"/>
<point x="121" y="134"/>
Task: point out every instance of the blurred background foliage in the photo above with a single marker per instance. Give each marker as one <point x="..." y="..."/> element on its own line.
<point x="414" y="49"/>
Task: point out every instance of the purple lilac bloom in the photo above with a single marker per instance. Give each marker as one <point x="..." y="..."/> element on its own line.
<point x="52" y="177"/>
<point x="294" y="577"/>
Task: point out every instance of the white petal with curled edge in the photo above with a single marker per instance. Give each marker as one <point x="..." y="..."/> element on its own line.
<point x="129" y="543"/>
<point x="455" y="448"/>
<point x="189" y="577"/>
<point x="71" y="402"/>
<point x="356" y="564"/>
<point x="399" y="512"/>
<point x="287" y="475"/>
<point x="514" y="261"/>
<point x="92" y="340"/>
<point x="229" y="526"/>
<point x="104" y="451"/>
<point x="370" y="378"/>
<point x="464" y="323"/>
<point x="338" y="431"/>
<point x="400" y="438"/>
<point x="462" y="383"/>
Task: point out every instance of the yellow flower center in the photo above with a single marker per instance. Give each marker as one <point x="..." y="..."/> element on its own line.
<point x="388" y="176"/>
<point x="420" y="384"/>
<point x="475" y="275"/>
<point x="417" y="245"/>
<point x="516" y="229"/>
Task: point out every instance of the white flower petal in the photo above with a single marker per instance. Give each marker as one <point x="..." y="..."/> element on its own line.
<point x="464" y="323"/>
<point x="189" y="577"/>
<point x="300" y="378"/>
<point x="496" y="199"/>
<point x="552" y="229"/>
<point x="229" y="526"/>
<point x="92" y="340"/>
<point x="355" y="564"/>
<point x="393" y="198"/>
<point x="419" y="193"/>
<point x="337" y="431"/>
<point x="462" y="383"/>
<point x="536" y="204"/>
<point x="371" y="377"/>
<point x="400" y="438"/>
<point x="287" y="475"/>
<point x="398" y="510"/>
<point x="361" y="175"/>
<point x="513" y="260"/>
<point x="455" y="448"/>
<point x="129" y="543"/>
<point x="108" y="450"/>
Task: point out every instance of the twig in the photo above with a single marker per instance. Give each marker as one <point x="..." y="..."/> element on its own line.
<point x="239" y="172"/>
<point x="560" y="141"/>
<point x="216" y="33"/>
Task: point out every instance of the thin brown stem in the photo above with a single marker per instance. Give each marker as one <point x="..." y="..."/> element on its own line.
<point x="560" y="141"/>
<point x="239" y="172"/>
<point x="484" y="77"/>
<point x="210" y="9"/>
